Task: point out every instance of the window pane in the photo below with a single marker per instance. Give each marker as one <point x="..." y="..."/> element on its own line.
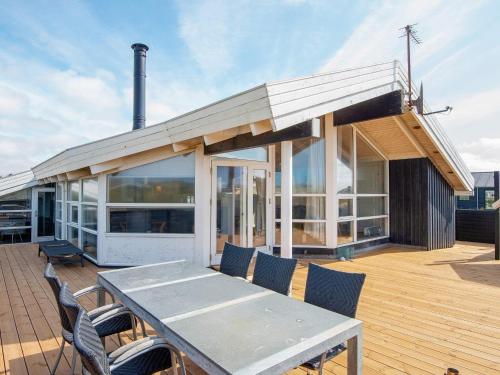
<point x="371" y="228"/>
<point x="58" y="230"/>
<point x="345" y="207"/>
<point x="59" y="191"/>
<point x="154" y="220"/>
<point x="489" y="199"/>
<point x="89" y="244"/>
<point x="74" y="214"/>
<point x="165" y="181"/>
<point x="277" y="167"/>
<point x="256" y="153"/>
<point x="20" y="200"/>
<point x="345" y="232"/>
<point x="345" y="161"/>
<point x="370" y="169"/>
<point x="59" y="210"/>
<point x="8" y="236"/>
<point x="89" y="190"/>
<point x="72" y="235"/>
<point x="15" y="219"/>
<point x="371" y="206"/>
<point x="89" y="217"/>
<point x="277" y="233"/>
<point x="308" y="165"/>
<point x="308" y="233"/>
<point x="259" y="207"/>
<point x="309" y="208"/>
<point x="73" y="190"/>
<point x="277" y="202"/>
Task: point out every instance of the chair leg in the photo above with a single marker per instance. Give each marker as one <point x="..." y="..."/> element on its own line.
<point x="134" y="327"/>
<point x="322" y="363"/>
<point x="73" y="360"/>
<point x="143" y="327"/>
<point x="59" y="355"/>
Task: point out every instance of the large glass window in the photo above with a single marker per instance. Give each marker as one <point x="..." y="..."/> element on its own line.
<point x="489" y="199"/>
<point x="370" y="169"/>
<point x="15" y="217"/>
<point x="362" y="204"/>
<point x="166" y="181"/>
<point x="153" y="198"/>
<point x="151" y="220"/>
<point x="308" y="192"/>
<point x="345" y="160"/>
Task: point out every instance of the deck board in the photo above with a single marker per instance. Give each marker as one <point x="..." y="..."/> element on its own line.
<point x="422" y="311"/>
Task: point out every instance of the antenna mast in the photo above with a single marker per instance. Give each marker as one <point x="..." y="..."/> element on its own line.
<point x="411" y="37"/>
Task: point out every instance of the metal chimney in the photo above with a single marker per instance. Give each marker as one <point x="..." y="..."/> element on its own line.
<point x="139" y="120"/>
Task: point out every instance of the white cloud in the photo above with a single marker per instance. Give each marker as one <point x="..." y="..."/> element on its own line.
<point x="376" y="40"/>
<point x="482" y="154"/>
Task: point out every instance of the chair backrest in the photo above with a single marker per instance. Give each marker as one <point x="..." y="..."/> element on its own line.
<point x="273" y="272"/>
<point x="236" y="260"/>
<point x="55" y="284"/>
<point x="69" y="304"/>
<point x="89" y="346"/>
<point x="334" y="290"/>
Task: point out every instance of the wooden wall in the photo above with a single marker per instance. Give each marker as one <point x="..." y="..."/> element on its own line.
<point x="475" y="225"/>
<point x="422" y="205"/>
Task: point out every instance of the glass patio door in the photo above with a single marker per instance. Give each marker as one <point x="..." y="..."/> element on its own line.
<point x="240" y="200"/>
<point x="43" y="223"/>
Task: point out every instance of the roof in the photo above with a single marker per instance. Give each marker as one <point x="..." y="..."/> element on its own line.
<point x="483" y="179"/>
<point x="16" y="182"/>
<point x="279" y="104"/>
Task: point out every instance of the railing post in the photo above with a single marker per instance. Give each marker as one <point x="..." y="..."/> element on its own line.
<point x="496" y="177"/>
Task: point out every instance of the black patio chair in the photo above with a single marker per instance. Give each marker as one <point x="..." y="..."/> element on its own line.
<point x="335" y="291"/>
<point x="142" y="357"/>
<point x="236" y="260"/>
<point x="274" y="273"/>
<point x="110" y="319"/>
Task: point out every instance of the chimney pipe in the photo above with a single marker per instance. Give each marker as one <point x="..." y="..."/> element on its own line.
<point x="139" y="120"/>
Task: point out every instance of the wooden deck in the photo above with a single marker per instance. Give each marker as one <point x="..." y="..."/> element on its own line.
<point x="422" y="311"/>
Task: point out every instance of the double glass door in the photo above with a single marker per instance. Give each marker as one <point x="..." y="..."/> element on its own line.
<point x="240" y="205"/>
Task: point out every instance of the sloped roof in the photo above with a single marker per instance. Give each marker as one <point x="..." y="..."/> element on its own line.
<point x="16" y="182"/>
<point x="283" y="104"/>
<point x="483" y="179"/>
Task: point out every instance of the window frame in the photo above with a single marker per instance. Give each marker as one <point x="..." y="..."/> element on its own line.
<point x="355" y="219"/>
<point x="125" y="205"/>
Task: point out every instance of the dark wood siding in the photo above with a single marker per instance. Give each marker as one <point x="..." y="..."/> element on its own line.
<point x="422" y="205"/>
<point x="475" y="225"/>
<point x="441" y="211"/>
<point x="407" y="202"/>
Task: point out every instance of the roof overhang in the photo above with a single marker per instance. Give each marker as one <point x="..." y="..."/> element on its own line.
<point x="17" y="182"/>
<point x="271" y="107"/>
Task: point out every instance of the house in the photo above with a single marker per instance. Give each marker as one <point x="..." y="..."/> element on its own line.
<point x="483" y="194"/>
<point x="302" y="166"/>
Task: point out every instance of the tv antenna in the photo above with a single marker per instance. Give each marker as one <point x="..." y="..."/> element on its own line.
<point x="412" y="37"/>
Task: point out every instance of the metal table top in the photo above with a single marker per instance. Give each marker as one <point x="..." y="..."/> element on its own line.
<point x="224" y="324"/>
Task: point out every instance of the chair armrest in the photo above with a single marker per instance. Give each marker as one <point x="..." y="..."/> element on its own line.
<point x="92" y="289"/>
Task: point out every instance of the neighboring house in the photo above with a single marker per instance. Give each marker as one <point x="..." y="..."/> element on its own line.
<point x="475" y="216"/>
<point x="483" y="195"/>
<point x="307" y="165"/>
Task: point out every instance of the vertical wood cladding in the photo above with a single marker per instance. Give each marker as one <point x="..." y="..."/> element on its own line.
<point x="475" y="225"/>
<point x="422" y="205"/>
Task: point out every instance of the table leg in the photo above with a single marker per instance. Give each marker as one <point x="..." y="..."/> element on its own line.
<point x="101" y="297"/>
<point x="355" y="354"/>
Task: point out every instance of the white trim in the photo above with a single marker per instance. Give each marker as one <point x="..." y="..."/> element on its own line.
<point x="286" y="242"/>
<point x="14" y="211"/>
<point x="371" y="217"/>
<point x="12" y="228"/>
<point x="149" y="235"/>
<point x="150" y="205"/>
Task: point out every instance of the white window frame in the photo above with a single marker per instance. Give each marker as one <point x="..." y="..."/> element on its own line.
<point x="354" y="196"/>
<point x="151" y="205"/>
<point x="70" y="203"/>
<point x="62" y="202"/>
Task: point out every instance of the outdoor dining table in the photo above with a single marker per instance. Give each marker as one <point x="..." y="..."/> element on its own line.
<point x="228" y="326"/>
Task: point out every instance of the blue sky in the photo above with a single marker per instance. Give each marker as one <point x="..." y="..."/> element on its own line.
<point x="66" y="66"/>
